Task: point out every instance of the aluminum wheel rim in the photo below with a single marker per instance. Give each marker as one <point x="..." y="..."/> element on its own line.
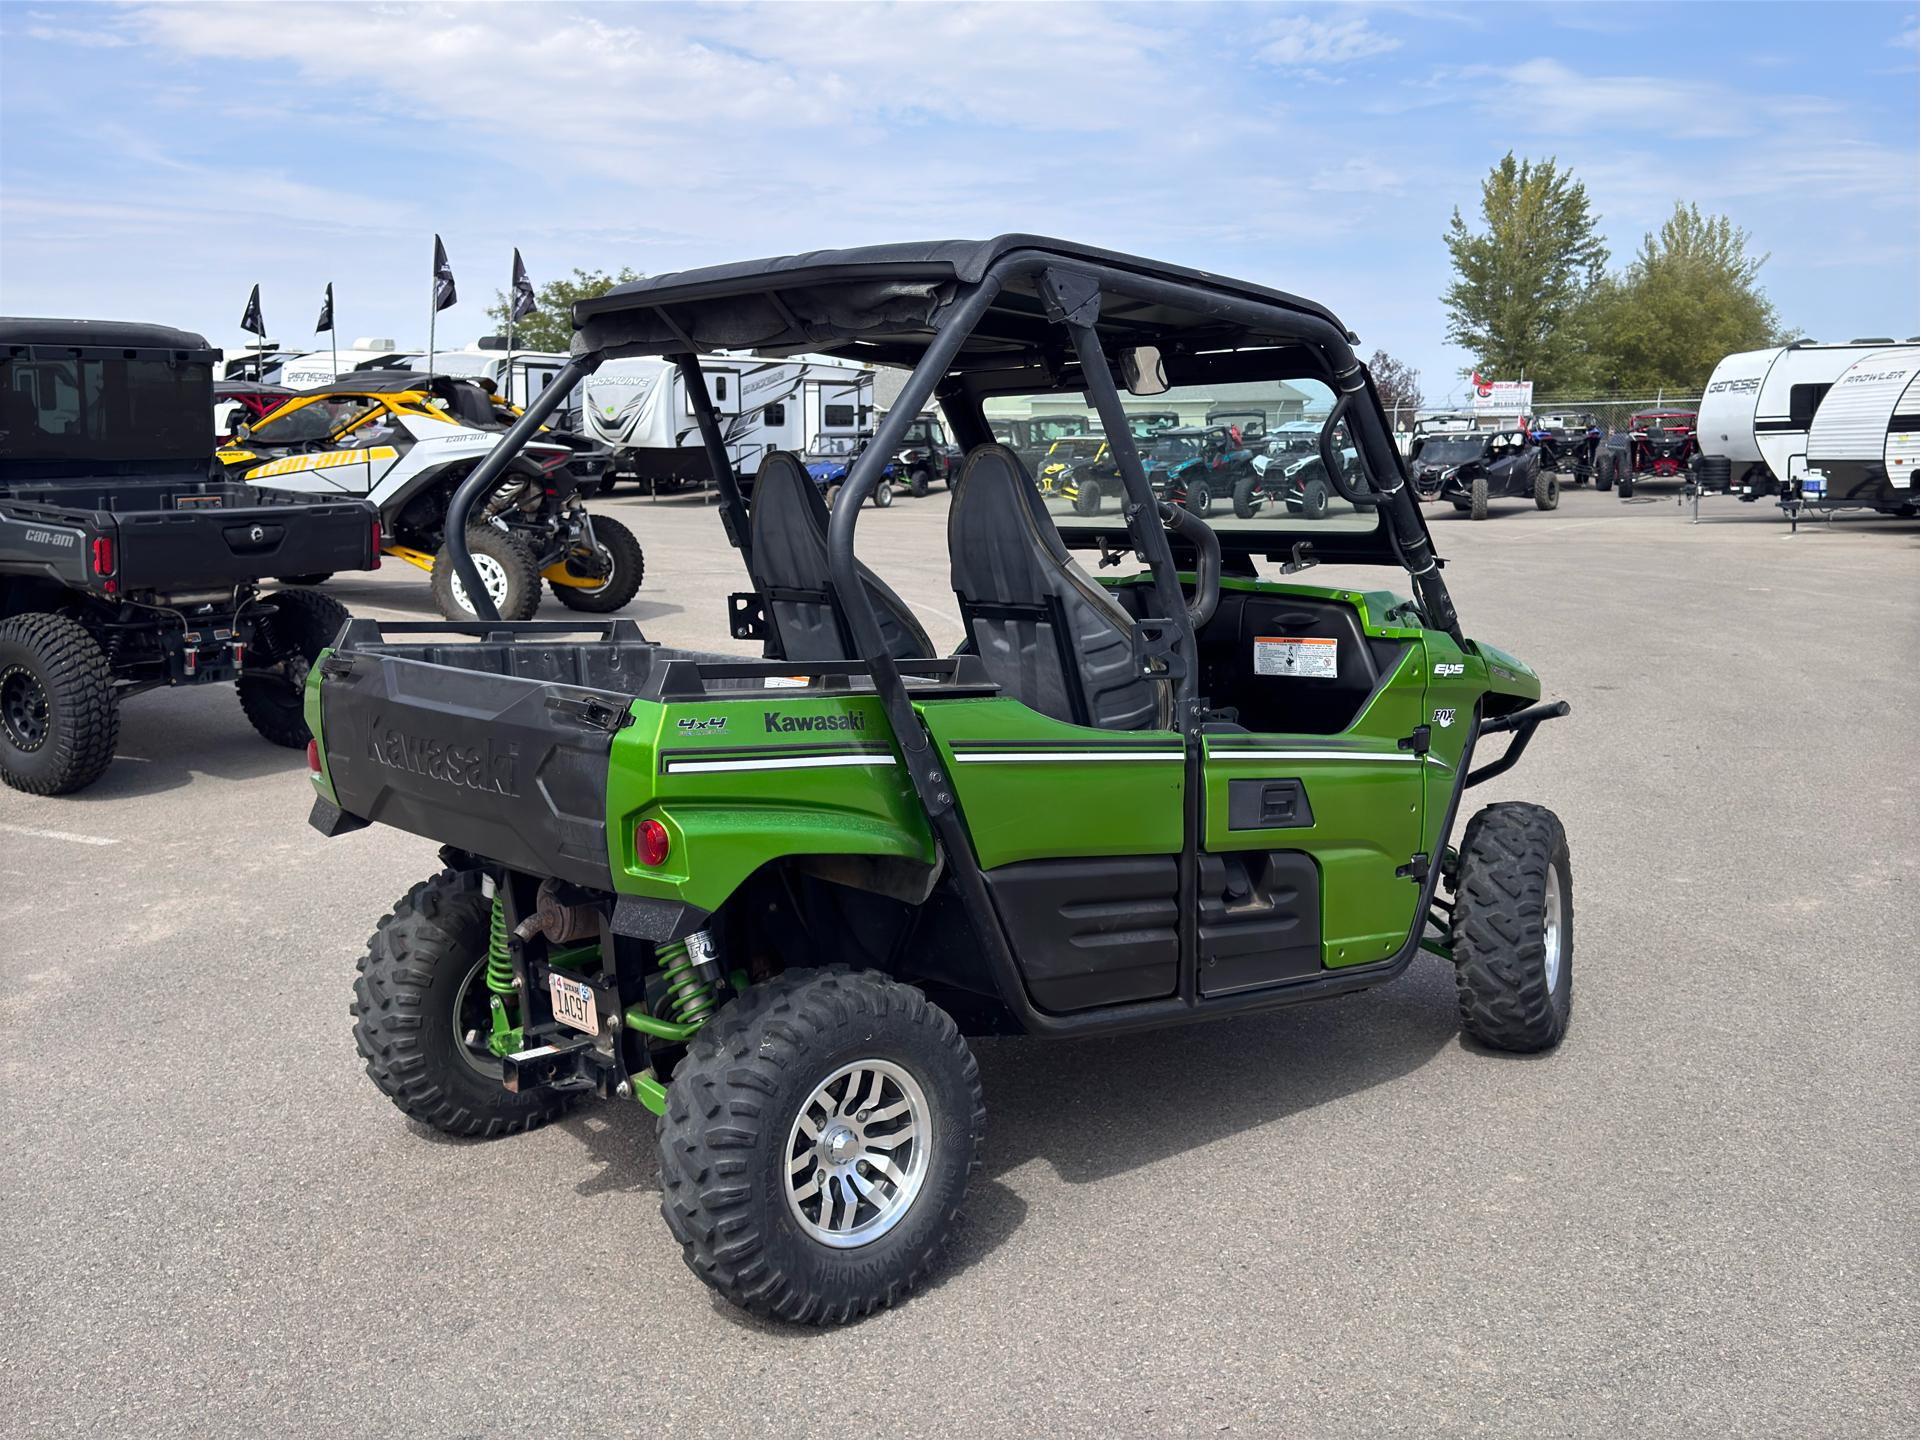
<point x="1551" y="929"/>
<point x="857" y="1153"/>
<point x="493" y="576"/>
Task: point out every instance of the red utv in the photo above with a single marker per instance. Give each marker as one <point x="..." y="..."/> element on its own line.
<point x="1657" y="445"/>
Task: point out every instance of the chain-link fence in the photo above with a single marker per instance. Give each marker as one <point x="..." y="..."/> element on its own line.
<point x="1613" y="408"/>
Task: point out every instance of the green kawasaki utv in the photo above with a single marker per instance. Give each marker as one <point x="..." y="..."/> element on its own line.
<point x="767" y="899"/>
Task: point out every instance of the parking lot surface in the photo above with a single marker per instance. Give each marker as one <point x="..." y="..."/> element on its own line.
<point x="1697" y="1216"/>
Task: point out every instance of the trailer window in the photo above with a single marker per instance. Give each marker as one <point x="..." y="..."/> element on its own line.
<point x="837" y="415"/>
<point x="775" y="414"/>
<point x="76" y="409"/>
<point x="1803" y="401"/>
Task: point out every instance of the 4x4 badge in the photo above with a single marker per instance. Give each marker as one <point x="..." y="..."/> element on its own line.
<point x="693" y="725"/>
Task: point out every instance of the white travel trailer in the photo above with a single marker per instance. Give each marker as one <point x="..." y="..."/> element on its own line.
<point x="1862" y="445"/>
<point x="1756" y="410"/>
<point x="638" y="409"/>
<point x="305" y="369"/>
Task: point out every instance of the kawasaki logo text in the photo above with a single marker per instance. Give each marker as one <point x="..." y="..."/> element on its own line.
<point x="778" y="722"/>
<point x="496" y="769"/>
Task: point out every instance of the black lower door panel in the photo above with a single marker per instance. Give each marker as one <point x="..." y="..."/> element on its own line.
<point x="1092" y="931"/>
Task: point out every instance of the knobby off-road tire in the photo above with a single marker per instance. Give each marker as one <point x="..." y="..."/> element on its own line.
<point x="732" y="1129"/>
<point x="1087" y="497"/>
<point x="58" y="719"/>
<point x="884" y="495"/>
<point x="1514" y="928"/>
<point x="1246" y="496"/>
<point x="1315" y="499"/>
<point x="620" y="562"/>
<point x="1604" y="471"/>
<point x="1477" y="499"/>
<point x="1200" y="499"/>
<point x="919" y="483"/>
<point x="422" y="987"/>
<point x="305" y="623"/>
<point x="504" y="564"/>
<point x="1547" y="490"/>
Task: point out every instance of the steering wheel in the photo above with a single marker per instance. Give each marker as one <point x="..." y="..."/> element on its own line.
<point x="1207" y="552"/>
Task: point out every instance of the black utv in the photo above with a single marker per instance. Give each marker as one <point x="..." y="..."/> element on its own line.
<point x="123" y="568"/>
<point x="1570" y="442"/>
<point x="1468" y="470"/>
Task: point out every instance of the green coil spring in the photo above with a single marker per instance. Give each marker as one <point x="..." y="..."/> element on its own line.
<point x="692" y="998"/>
<point x="500" y="966"/>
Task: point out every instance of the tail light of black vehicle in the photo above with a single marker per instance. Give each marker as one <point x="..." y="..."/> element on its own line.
<point x="103" y="563"/>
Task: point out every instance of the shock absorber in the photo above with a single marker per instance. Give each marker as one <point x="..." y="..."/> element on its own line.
<point x="690" y="969"/>
<point x="500" y="967"/>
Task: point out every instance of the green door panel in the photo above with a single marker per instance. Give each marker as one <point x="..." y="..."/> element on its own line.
<point x="1456" y="679"/>
<point x="1030" y="786"/>
<point x="1365" y="795"/>
<point x="738" y="783"/>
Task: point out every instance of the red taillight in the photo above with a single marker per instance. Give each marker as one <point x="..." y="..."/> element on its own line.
<point x="313" y="758"/>
<point x="103" y="555"/>
<point x="376" y="565"/>
<point x="650" y="840"/>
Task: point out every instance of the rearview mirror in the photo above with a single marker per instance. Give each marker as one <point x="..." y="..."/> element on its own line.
<point x="1142" y="370"/>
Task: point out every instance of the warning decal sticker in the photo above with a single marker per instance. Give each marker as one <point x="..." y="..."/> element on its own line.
<point x="1284" y="655"/>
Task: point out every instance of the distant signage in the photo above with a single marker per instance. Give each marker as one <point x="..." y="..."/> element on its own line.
<point x="1505" y="397"/>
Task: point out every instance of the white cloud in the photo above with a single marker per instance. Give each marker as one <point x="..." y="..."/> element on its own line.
<point x="1298" y="40"/>
<point x="94" y="38"/>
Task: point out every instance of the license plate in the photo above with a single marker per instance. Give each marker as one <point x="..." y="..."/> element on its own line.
<point x="574" y="1003"/>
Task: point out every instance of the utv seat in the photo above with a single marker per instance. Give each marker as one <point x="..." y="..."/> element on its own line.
<point x="1047" y="632"/>
<point x="788" y="530"/>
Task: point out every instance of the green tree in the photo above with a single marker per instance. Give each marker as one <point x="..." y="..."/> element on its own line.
<point x="1517" y="303"/>
<point x="551" y="326"/>
<point x="1688" y="298"/>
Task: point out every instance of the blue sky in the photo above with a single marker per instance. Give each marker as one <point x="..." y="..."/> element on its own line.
<point x="157" y="160"/>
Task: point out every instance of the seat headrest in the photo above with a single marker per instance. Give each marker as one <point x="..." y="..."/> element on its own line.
<point x="996" y="516"/>
<point x="788" y="523"/>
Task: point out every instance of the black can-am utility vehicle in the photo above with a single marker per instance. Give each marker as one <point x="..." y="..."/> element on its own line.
<point x="1468" y="470"/>
<point x="1569" y="441"/>
<point x="767" y="898"/>
<point x="1657" y="445"/>
<point x="124" y="568"/>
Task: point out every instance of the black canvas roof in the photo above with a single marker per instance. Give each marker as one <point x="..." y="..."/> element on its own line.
<point x="101" y="336"/>
<point x="881" y="303"/>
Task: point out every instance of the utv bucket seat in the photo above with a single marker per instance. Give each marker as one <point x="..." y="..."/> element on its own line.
<point x="1048" y="633"/>
<point x="788" y="528"/>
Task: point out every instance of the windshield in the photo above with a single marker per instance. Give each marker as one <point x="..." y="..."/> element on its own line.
<point x="105" y="410"/>
<point x="1197" y="466"/>
<point x="1449" y="452"/>
<point x="923" y="432"/>
<point x="1668" y="422"/>
<point x="837" y="445"/>
<point x="315" y="420"/>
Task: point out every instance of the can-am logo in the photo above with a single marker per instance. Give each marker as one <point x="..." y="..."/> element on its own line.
<point x="62" y="539"/>
<point x="495" y="769"/>
<point x="778" y="722"/>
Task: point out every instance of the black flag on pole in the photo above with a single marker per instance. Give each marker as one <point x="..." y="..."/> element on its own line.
<point x="326" y="321"/>
<point x="444" y="292"/>
<point x="523" y="290"/>
<point x="251" y="321"/>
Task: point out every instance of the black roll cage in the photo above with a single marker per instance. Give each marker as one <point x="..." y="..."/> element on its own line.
<point x="1070" y="290"/>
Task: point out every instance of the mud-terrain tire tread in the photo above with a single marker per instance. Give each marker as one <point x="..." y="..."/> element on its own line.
<point x="1316" y="498"/>
<point x="523" y="575"/>
<point x="630" y="569"/>
<point x="1604" y="471"/>
<point x="1245" y="499"/>
<point x="432" y="935"/>
<point x="310" y="620"/>
<point x="1500" y="975"/>
<point x="733" y="1068"/>
<point x="920" y="482"/>
<point x="79" y="685"/>
<point x="1477" y="499"/>
<point x="1547" y="490"/>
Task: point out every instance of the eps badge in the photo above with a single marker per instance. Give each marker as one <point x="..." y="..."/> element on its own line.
<point x="1444" y="718"/>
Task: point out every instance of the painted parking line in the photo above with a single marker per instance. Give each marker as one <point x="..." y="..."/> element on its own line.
<point x="74" y="836"/>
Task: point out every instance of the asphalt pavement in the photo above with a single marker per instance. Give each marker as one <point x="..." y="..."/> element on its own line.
<point x="1698" y="1216"/>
